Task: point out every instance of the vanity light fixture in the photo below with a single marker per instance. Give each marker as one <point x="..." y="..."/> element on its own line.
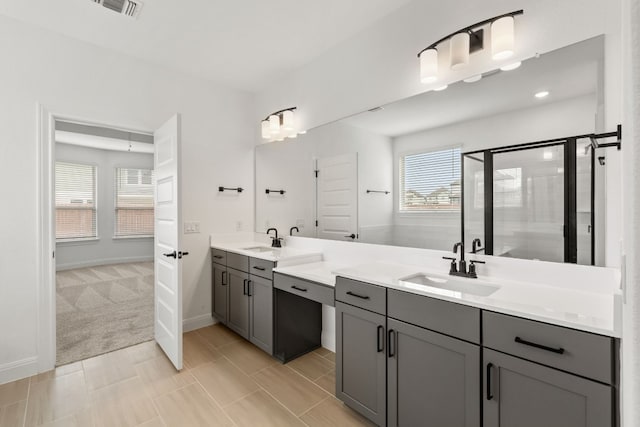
<point x="440" y="88"/>
<point x="468" y="40"/>
<point x="473" y="79"/>
<point x="279" y="125"/>
<point x="511" y="67"/>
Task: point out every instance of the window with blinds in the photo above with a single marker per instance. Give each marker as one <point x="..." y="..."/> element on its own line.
<point x="430" y="181"/>
<point x="76" y="210"/>
<point x="134" y="202"/>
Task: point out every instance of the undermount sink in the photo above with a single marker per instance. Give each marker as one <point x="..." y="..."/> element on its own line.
<point x="259" y="249"/>
<point x="452" y="285"/>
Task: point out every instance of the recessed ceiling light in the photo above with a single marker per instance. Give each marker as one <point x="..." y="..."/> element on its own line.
<point x="511" y="67"/>
<point x="473" y="79"/>
<point x="542" y="94"/>
<point x="439" y="88"/>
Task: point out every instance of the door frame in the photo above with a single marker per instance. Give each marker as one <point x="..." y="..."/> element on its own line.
<point x="45" y="261"/>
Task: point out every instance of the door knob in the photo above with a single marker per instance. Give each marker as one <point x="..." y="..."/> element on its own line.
<point x="352" y="236"/>
<point x="171" y="255"/>
<point x="181" y="254"/>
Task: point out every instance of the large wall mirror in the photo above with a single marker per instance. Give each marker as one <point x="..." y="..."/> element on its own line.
<point x="394" y="175"/>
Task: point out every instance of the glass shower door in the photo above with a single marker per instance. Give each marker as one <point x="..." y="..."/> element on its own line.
<point x="528" y="203"/>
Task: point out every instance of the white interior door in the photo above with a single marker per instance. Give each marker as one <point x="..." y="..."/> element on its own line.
<point x="167" y="246"/>
<point x="337" y="188"/>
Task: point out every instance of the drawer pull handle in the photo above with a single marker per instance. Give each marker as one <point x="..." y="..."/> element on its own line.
<point x="224" y="276"/>
<point x="258" y="268"/>
<point x="380" y="346"/>
<point x="540" y="346"/>
<point x="391" y="344"/>
<point x="244" y="287"/>
<point x="357" y="296"/>
<point x="489" y="393"/>
<point x="299" y="289"/>
<point x="218" y="256"/>
<point x="249" y="282"/>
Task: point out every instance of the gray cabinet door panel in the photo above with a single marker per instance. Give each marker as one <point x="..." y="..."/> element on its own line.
<point x="304" y="288"/>
<point x="362" y="294"/>
<point x="219" y="293"/>
<point x="361" y="361"/>
<point x="219" y="256"/>
<point x="525" y="394"/>
<point x="583" y="353"/>
<point x="261" y="313"/>
<point x="261" y="267"/>
<point x="449" y="318"/>
<point x="237" y="261"/>
<point x="238" y="302"/>
<point x="433" y="379"/>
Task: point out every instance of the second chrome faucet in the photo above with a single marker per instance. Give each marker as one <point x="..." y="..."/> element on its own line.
<point x="461" y="268"/>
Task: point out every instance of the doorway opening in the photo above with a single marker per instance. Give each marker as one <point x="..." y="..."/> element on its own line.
<point x="103" y="197"/>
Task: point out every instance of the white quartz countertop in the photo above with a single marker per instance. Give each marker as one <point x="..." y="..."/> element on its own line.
<point x="584" y="310"/>
<point x="320" y="272"/>
<point x="268" y="253"/>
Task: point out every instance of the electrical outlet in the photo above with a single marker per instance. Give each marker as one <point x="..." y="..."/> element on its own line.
<point x="191" y="227"/>
<point x="238" y="225"/>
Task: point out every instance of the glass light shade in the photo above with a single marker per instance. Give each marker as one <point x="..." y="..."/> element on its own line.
<point x="473" y="79"/>
<point x="429" y="66"/>
<point x="511" y="67"/>
<point x="502" y="38"/>
<point x="288" y="120"/>
<point x="274" y="124"/>
<point x="459" y="50"/>
<point x="440" y="88"/>
<point x="265" y="129"/>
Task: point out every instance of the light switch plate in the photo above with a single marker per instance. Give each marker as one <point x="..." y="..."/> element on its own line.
<point x="191" y="227"/>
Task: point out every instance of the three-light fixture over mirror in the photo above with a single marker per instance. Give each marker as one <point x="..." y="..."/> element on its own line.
<point x="280" y="125"/>
<point x="468" y="40"/>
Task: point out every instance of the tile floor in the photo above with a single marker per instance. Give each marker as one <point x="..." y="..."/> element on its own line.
<point x="226" y="382"/>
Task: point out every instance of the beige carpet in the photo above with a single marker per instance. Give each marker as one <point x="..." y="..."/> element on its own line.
<point x="102" y="309"/>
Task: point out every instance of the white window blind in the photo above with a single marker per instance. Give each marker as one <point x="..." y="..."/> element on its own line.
<point x="430" y="181"/>
<point x="134" y="202"/>
<point x="76" y="210"/>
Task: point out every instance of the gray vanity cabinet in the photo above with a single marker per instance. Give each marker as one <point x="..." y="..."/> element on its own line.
<point x="431" y="377"/>
<point x="519" y="393"/>
<point x="261" y="312"/>
<point x="219" y="293"/>
<point x="361" y="361"/>
<point x="238" y="302"/>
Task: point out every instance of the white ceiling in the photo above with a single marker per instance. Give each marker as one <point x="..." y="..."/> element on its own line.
<point x="242" y="43"/>
<point x="566" y="73"/>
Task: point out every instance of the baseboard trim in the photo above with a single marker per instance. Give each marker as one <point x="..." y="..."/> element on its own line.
<point x="105" y="261"/>
<point x="19" y="369"/>
<point x="197" y="322"/>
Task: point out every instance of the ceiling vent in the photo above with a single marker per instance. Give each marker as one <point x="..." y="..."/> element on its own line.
<point x="128" y="8"/>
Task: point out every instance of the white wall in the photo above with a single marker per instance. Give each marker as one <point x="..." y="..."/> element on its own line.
<point x="289" y="165"/>
<point x="105" y="250"/>
<point x="630" y="377"/>
<point x="77" y="79"/>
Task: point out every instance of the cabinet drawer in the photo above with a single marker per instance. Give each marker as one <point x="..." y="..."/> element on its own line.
<point x="239" y="262"/>
<point x="219" y="256"/>
<point x="304" y="288"/>
<point x="361" y="294"/>
<point x="582" y="353"/>
<point x="261" y="267"/>
<point x="449" y="318"/>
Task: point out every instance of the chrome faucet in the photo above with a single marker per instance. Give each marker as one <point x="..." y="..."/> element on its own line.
<point x="476" y="246"/>
<point x="275" y="241"/>
<point x="461" y="268"/>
